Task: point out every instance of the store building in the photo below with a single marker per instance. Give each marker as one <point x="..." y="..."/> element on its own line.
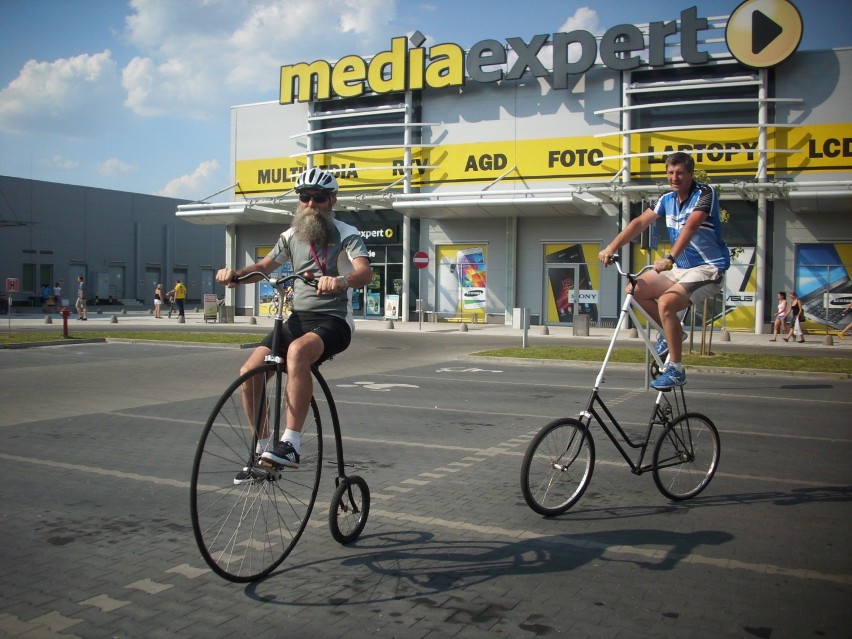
<point x="123" y="244"/>
<point x="512" y="163"/>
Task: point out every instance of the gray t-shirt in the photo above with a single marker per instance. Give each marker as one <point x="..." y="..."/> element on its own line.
<point x="336" y="259"/>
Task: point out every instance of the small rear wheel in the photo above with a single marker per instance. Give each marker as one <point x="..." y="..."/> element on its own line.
<point x="686" y="456"/>
<point x="350" y="507"/>
<point x="557" y="467"/>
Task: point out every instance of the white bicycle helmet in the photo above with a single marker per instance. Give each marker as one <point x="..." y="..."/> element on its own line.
<point x="316" y="179"/>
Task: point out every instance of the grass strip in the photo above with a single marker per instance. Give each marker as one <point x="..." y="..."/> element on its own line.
<point x="723" y="360"/>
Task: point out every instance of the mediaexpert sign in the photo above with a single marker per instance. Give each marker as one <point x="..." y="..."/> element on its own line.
<point x="761" y="33"/>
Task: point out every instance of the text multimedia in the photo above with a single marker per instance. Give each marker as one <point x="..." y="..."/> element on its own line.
<point x="402" y="68"/>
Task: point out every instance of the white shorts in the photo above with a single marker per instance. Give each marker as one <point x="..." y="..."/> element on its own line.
<point x="700" y="282"/>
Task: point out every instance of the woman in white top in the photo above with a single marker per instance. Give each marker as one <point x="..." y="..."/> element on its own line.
<point x="780" y="314"/>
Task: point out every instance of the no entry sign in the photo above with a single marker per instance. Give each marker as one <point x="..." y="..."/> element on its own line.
<point x="421" y="259"/>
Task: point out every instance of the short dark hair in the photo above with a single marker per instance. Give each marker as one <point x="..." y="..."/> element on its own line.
<point x="679" y="157"/>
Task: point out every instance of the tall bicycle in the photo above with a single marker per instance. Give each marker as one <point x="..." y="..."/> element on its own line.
<point x="559" y="461"/>
<point x="245" y="527"/>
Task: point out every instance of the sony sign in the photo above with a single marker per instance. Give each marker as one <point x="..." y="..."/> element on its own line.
<point x="444" y="65"/>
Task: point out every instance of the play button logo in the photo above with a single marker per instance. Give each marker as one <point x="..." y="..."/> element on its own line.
<point x="763" y="33"/>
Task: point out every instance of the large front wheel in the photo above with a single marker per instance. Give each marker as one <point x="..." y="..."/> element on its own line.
<point x="686" y="456"/>
<point x="247" y="516"/>
<point x="557" y="467"/>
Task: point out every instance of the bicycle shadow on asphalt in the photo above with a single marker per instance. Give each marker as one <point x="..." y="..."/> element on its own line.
<point x="793" y="497"/>
<point x="412" y="564"/>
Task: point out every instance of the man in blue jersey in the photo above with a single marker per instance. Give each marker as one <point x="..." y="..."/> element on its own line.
<point x="691" y="272"/>
<point x="321" y="324"/>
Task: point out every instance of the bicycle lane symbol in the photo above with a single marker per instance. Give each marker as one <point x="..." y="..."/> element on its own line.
<point x="376" y="386"/>
<point x="465" y="369"/>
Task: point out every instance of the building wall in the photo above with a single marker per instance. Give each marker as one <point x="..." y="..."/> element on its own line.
<point x="122" y="243"/>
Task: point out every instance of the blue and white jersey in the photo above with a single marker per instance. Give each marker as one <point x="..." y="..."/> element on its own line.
<point x="706" y="246"/>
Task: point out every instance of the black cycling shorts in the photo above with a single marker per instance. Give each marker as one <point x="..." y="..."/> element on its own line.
<point x="333" y="331"/>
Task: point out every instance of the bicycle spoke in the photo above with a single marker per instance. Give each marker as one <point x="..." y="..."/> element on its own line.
<point x="686" y="456"/>
<point x="245" y="530"/>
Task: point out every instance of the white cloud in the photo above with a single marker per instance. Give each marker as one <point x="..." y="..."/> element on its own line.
<point x="60" y="162"/>
<point x="195" y="184"/>
<point x="585" y="19"/>
<point x="114" y="166"/>
<point x="70" y="96"/>
<point x="199" y="57"/>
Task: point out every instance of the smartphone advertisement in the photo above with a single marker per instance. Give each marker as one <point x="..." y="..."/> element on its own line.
<point x="462" y="275"/>
<point x="570" y="290"/>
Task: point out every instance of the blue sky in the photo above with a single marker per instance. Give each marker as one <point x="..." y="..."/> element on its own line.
<point x="135" y="95"/>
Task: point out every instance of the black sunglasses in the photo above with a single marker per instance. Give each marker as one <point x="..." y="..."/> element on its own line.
<point x="319" y="198"/>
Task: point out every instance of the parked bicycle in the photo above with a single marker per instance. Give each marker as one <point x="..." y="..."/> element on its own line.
<point x="246" y="529"/>
<point x="276" y="304"/>
<point x="559" y="461"/>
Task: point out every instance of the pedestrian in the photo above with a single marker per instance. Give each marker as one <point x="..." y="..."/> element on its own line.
<point x="80" y="305"/>
<point x="846" y="311"/>
<point x="780" y="314"/>
<point x="797" y="316"/>
<point x="321" y="323"/>
<point x="179" y="295"/>
<point x="57" y="295"/>
<point x="46" y="297"/>
<point x="693" y="269"/>
<point x="158" y="301"/>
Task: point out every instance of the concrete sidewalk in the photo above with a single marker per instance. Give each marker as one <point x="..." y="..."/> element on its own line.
<point x="116" y="318"/>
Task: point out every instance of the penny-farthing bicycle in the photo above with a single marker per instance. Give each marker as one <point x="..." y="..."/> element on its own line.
<point x="248" y="514"/>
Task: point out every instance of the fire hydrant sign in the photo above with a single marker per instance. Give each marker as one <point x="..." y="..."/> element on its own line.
<point x="13" y="285"/>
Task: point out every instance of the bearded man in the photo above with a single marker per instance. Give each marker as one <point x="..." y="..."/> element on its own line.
<point x="321" y="323"/>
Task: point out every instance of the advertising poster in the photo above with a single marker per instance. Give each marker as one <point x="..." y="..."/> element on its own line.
<point x="374" y="303"/>
<point x="740" y="292"/>
<point x="571" y="289"/>
<point x="462" y="281"/>
<point x="392" y="307"/>
<point x="823" y="283"/>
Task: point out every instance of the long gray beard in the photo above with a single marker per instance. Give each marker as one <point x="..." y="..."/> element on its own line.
<point x="310" y="225"/>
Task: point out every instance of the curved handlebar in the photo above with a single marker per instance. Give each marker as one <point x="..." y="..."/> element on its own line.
<point x="279" y="282"/>
<point x="631" y="276"/>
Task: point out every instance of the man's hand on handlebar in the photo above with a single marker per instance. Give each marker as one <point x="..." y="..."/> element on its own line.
<point x="226" y="276"/>
<point x="606" y="258"/>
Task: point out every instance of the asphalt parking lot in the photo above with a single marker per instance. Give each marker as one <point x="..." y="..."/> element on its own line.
<point x="96" y="443"/>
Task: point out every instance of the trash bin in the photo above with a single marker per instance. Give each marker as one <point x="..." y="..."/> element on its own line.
<point x="226" y="314"/>
<point x="581" y="325"/>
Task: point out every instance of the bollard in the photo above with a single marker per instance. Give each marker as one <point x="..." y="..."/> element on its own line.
<point x="462" y="327"/>
<point x="64" y="312"/>
<point x="389" y="324"/>
<point x="252" y="320"/>
<point x="124" y="311"/>
<point x="828" y="341"/>
<point x="113" y="319"/>
<point x="545" y="330"/>
<point x="181" y="319"/>
<point x="726" y="336"/>
<point x="48" y="320"/>
<point x="633" y="332"/>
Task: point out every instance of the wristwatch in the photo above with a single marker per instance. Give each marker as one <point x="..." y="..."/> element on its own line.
<point x="669" y="257"/>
